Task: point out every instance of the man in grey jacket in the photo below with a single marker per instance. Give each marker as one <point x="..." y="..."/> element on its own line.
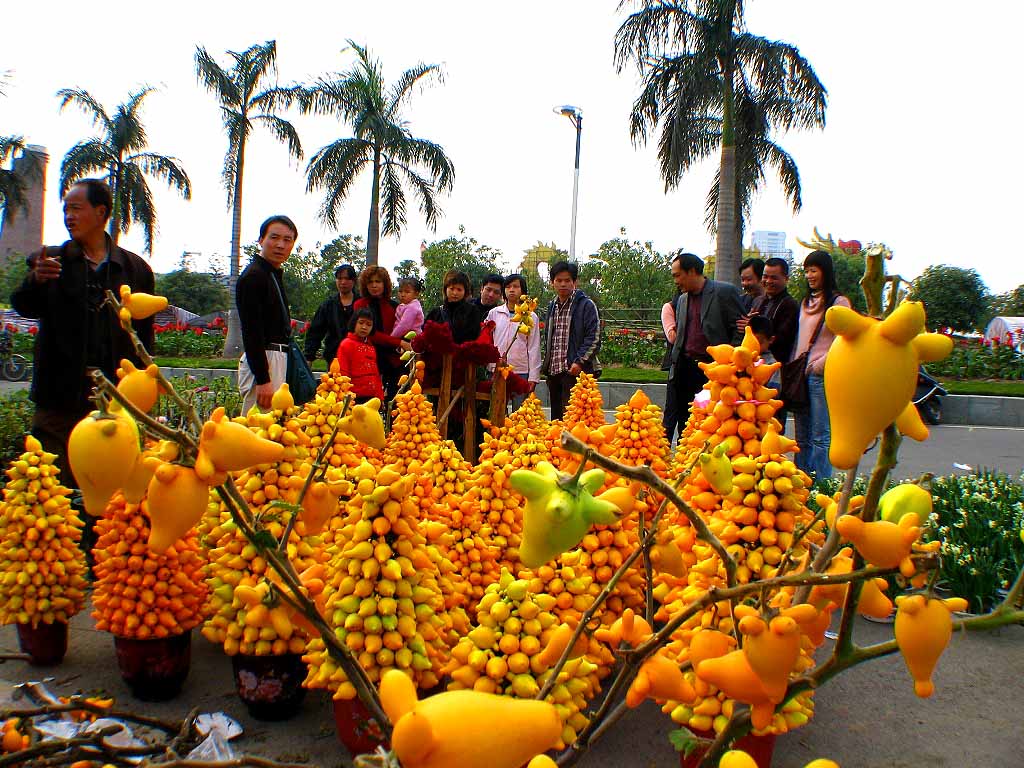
<point x="706" y="315"/>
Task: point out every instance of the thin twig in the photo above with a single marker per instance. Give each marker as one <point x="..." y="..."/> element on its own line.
<point x="106" y="387"/>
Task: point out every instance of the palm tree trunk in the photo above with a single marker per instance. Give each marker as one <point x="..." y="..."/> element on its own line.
<point x="373" y="232"/>
<point x="233" y="342"/>
<point x="727" y="254"/>
<point x="114" y="181"/>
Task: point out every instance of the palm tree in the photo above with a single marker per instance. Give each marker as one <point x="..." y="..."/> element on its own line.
<point x="119" y="153"/>
<point x="13" y="181"/>
<point x="244" y="104"/>
<point x="382" y="143"/>
<point x="713" y="85"/>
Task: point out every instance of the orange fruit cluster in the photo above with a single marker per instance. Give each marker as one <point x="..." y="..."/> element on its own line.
<point x="42" y="568"/>
<point x="139" y="594"/>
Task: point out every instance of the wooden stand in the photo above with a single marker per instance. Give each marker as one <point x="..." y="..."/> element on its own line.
<point x="446" y="400"/>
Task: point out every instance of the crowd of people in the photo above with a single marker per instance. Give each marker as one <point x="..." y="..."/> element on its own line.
<point x="366" y="325"/>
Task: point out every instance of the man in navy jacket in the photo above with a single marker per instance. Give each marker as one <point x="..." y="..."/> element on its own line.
<point x="573" y="336"/>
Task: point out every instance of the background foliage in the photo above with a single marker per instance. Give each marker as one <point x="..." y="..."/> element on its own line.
<point x="953" y="298"/>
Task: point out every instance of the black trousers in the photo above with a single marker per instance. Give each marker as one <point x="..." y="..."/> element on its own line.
<point x="686" y="382"/>
<point x="559" y="387"/>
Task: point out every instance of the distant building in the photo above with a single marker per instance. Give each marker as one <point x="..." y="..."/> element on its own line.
<point x="22" y="233"/>
<point x="771" y="245"/>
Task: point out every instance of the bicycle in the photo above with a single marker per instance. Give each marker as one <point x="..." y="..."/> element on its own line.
<point x="13" y="367"/>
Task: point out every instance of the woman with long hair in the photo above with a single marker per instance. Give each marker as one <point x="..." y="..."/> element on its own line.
<point x="375" y="295"/>
<point x="813" y="433"/>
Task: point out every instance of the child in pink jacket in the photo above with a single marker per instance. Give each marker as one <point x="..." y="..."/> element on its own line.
<point x="409" y="313"/>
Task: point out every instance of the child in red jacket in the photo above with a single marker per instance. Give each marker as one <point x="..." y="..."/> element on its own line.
<point x="357" y="358"/>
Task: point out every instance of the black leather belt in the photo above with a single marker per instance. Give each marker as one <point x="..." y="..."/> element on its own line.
<point x="277" y="347"/>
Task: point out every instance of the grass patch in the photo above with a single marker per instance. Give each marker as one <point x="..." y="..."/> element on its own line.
<point x="983" y="387"/>
<point x="635" y="375"/>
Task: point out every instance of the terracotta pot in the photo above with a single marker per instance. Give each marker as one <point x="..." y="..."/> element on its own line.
<point x="270" y="686"/>
<point x="357" y="730"/>
<point x="760" y="748"/>
<point x="154" y="669"/>
<point x="46" y="644"/>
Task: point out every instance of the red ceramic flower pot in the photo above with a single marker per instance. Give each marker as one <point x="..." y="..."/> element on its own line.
<point x="270" y="686"/>
<point x="155" y="669"/>
<point x="357" y="730"/>
<point x="760" y="748"/>
<point x="45" y="644"/>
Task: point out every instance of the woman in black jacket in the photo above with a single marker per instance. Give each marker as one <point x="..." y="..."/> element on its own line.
<point x="461" y="316"/>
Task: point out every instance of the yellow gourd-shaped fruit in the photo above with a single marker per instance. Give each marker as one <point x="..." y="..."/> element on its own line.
<point x="772" y="442"/>
<point x="140" y="386"/>
<point x="737" y="758"/>
<point x="904" y="498"/>
<point x="661" y="679"/>
<point x="177" y="500"/>
<point x="873" y="601"/>
<point x="772" y="649"/>
<point x="138" y="481"/>
<point x="542" y="761"/>
<point x="459" y="728"/>
<point x="870" y="375"/>
<point x="733" y="675"/>
<point x="822" y="762"/>
<point x="923" y="629"/>
<point x="142" y="305"/>
<point x="282" y="399"/>
<point x="226" y="446"/>
<point x="102" y="451"/>
<point x="709" y="644"/>
<point x="717" y="469"/>
<point x="628" y="628"/>
<point x="881" y="543"/>
<point x="318" y="505"/>
<point x="365" y="424"/>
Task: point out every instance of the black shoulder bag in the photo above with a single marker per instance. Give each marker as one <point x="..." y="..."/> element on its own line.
<point x="300" y="379"/>
<point x="794" y="373"/>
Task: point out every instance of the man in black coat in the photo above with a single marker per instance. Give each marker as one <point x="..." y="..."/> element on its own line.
<point x="706" y="314"/>
<point x="65" y="291"/>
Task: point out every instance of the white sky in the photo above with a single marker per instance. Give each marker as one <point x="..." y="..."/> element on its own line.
<point x="920" y="148"/>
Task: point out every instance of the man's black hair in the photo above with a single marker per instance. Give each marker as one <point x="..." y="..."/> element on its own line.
<point x="755" y="264"/>
<point x="98" y="193"/>
<point x="565" y="266"/>
<point x="782" y="264"/>
<point x="494" y="277"/>
<point x="517" y="278"/>
<point x="689" y="262"/>
<point x="279" y="219"/>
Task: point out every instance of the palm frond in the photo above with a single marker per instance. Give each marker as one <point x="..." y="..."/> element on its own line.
<point x="784" y="80"/>
<point x="84" y="100"/>
<point x="167" y="169"/>
<point x="660" y="26"/>
<point x="136" y="204"/>
<point x="433" y="158"/>
<point x="128" y="134"/>
<point x="426" y="195"/>
<point x="238" y="129"/>
<point x="283" y="131"/>
<point x="82" y="159"/>
<point x="9" y="146"/>
<point x="334" y="168"/>
<point x="402" y="89"/>
<point x="789" y="174"/>
<point x="210" y="74"/>
<point x="392" y="201"/>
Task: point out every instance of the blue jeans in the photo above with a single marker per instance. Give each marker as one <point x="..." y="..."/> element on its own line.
<point x="813" y="432"/>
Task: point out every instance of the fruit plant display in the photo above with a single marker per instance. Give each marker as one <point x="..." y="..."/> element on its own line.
<point x="577" y="571"/>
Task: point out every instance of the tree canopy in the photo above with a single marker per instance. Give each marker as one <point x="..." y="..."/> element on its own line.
<point x="953" y="297"/>
<point x="632" y="274"/>
<point x="199" y="292"/>
<point x="460" y="252"/>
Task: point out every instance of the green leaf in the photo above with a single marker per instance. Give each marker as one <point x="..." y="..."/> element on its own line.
<point x="684" y="740"/>
<point x="264" y="540"/>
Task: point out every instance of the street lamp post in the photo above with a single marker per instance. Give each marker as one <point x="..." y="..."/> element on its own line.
<point x="575" y="114"/>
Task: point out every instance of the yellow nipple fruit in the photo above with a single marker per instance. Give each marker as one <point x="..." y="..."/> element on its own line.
<point x="628" y="628"/>
<point x="102" y="451"/>
<point x="318" y="506"/>
<point x="871" y="373"/>
<point x="732" y="674"/>
<point x="772" y="442"/>
<point x="177" y="500"/>
<point x="904" y="498"/>
<point x="822" y="762"/>
<point x="140" y="386"/>
<point x="465" y="728"/>
<point x="141" y="305"/>
<point x="737" y="758"/>
<point x="873" y="601"/>
<point x="138" y="481"/>
<point x="772" y="649"/>
<point x="282" y="400"/>
<point x="557" y="644"/>
<point x="226" y="446"/>
<point x="365" y="424"/>
<point x="542" y="761"/>
<point x="881" y="543"/>
<point x="717" y="470"/>
<point x="923" y="629"/>
<point x="709" y="644"/>
<point x="661" y="679"/>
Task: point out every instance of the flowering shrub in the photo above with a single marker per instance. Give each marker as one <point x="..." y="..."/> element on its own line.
<point x="984" y="359"/>
<point x="179" y="340"/>
<point x="22" y="342"/>
<point x="204" y="394"/>
<point x="978" y="518"/>
<point x="632" y="348"/>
